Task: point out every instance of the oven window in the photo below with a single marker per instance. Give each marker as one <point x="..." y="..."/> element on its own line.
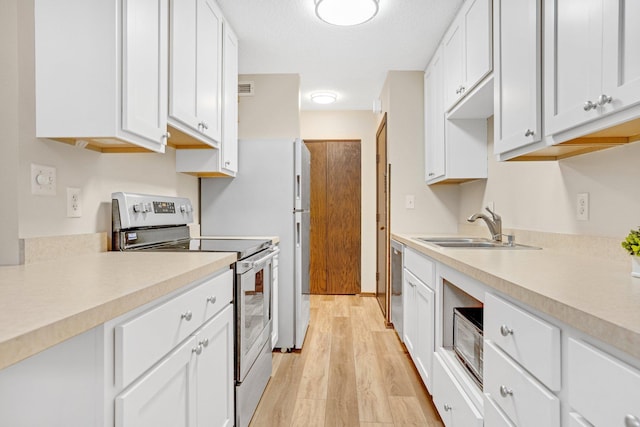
<point x="255" y="315"/>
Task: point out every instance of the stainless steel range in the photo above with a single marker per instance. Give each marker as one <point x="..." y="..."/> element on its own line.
<point x="159" y="223"/>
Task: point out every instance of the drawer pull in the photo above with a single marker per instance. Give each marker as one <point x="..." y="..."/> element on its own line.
<point x="505" y="330"/>
<point x="204" y="342"/>
<point x="447" y="407"/>
<point x="505" y="391"/>
<point x="197" y="350"/>
<point x="187" y="316"/>
<point x="631" y="421"/>
<point x="211" y="299"/>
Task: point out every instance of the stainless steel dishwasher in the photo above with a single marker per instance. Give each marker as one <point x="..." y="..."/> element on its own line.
<point x="397" y="254"/>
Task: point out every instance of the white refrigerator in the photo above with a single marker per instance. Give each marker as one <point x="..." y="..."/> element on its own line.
<point x="269" y="196"/>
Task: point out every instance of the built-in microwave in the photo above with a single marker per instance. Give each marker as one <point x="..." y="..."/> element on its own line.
<point x="467" y="339"/>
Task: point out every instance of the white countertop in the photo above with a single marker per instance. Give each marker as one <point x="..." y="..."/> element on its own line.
<point x="594" y="295"/>
<point x="45" y="303"/>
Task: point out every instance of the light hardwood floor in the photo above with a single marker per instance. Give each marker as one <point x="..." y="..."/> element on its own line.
<point x="352" y="372"/>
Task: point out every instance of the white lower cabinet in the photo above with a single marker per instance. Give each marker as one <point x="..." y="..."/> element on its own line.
<point x="161" y="397"/>
<point x="522" y="398"/>
<point x="424" y="342"/>
<point x="419" y="312"/>
<point x="191" y="387"/>
<point x="602" y="389"/>
<point x="213" y="372"/>
<point x="493" y="416"/>
<point x="451" y="401"/>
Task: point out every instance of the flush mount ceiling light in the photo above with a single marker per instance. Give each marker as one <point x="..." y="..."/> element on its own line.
<point x="324" y="97"/>
<point x="346" y="12"/>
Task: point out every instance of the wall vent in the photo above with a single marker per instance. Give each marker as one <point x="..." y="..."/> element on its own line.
<point x="245" y="88"/>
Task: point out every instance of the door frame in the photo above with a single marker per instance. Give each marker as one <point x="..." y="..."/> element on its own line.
<point x="384" y="245"/>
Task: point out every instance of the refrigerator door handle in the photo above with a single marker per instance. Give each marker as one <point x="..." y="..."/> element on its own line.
<point x="298" y="186"/>
<point x="298" y="234"/>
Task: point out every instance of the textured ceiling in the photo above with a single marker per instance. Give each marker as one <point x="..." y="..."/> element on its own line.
<point x="285" y="36"/>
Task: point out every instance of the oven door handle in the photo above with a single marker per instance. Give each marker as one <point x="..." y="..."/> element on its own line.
<point x="271" y="254"/>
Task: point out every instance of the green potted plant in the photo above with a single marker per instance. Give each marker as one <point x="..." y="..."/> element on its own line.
<point x="632" y="245"/>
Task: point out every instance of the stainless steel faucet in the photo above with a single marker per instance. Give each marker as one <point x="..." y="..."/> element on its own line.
<point x="494" y="223"/>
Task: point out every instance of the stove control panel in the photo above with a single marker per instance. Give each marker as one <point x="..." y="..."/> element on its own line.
<point x="141" y="210"/>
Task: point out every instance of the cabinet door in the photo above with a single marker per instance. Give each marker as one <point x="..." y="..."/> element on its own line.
<point x="209" y="68"/>
<point x="621" y="53"/>
<point x="425" y="303"/>
<point x="230" y="96"/>
<point x="182" y="79"/>
<point x="160" y="398"/>
<point x="214" y="372"/>
<point x="573" y="62"/>
<point x="434" y="119"/>
<point x="517" y="74"/>
<point x="144" y="68"/>
<point x="478" y="60"/>
<point x="453" y="65"/>
<point x="410" y="313"/>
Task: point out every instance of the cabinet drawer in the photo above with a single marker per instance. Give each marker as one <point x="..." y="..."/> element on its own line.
<point x="493" y="416"/>
<point x="532" y="342"/>
<point x="523" y="399"/>
<point x="454" y="406"/>
<point x="420" y="266"/>
<point x="142" y="341"/>
<point x="602" y="389"/>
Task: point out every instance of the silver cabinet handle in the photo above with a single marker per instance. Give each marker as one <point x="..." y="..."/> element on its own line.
<point x="212" y="299"/>
<point x="505" y="391"/>
<point x="187" y="315"/>
<point x="197" y="349"/>
<point x="631" y="421"/>
<point x="447" y="407"/>
<point x="431" y="173"/>
<point x="505" y="330"/>
<point x="204" y="342"/>
<point x="227" y="163"/>
<point x="166" y="136"/>
<point x="604" y="99"/>
<point x="590" y="106"/>
<point x="529" y="132"/>
<point x="204" y="125"/>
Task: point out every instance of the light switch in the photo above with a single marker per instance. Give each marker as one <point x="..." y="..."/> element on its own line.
<point x="410" y="201"/>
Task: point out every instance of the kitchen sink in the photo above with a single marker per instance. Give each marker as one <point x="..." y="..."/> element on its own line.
<point x="471" y="243"/>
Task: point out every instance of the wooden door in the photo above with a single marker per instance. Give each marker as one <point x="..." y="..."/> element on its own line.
<point x="335" y="217"/>
<point x="382" y="220"/>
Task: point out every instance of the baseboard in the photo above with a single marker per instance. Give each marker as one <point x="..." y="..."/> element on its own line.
<point x="367" y="294"/>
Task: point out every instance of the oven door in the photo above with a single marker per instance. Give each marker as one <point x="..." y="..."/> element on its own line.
<point x="253" y="309"/>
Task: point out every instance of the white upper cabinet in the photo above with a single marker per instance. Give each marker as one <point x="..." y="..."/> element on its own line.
<point x="592" y="60"/>
<point x="434" y="119"/>
<point x="223" y="160"/>
<point x="195" y="78"/>
<point x="517" y="74"/>
<point x="230" y="102"/>
<point x="467" y="51"/>
<point x="101" y="73"/>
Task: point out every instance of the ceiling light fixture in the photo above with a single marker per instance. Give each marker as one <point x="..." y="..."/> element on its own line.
<point x="346" y="12"/>
<point x="324" y="97"/>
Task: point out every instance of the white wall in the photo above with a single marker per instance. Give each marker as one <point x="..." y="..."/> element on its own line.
<point x="541" y="196"/>
<point x="9" y="250"/>
<point x="436" y="207"/>
<point x="274" y="109"/>
<point x="98" y="175"/>
<point x="353" y="125"/>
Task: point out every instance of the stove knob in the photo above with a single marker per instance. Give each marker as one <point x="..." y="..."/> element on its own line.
<point x="147" y="207"/>
<point x="183" y="208"/>
<point x="137" y="207"/>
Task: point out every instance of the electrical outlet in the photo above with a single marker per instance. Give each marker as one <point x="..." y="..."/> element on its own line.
<point x="74" y="205"/>
<point x="582" y="207"/>
<point x="410" y="201"/>
<point x="43" y="180"/>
